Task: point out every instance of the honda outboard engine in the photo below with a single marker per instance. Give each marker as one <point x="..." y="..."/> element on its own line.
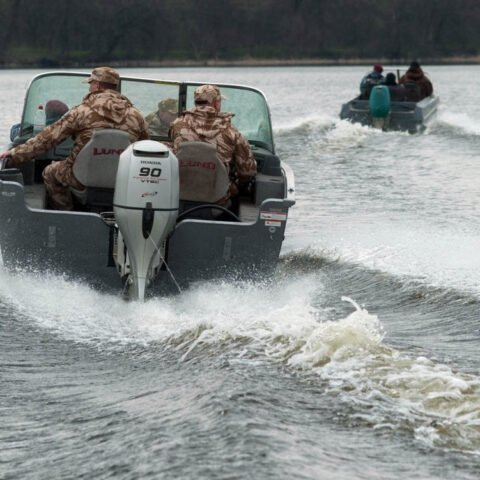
<point x="145" y="204"/>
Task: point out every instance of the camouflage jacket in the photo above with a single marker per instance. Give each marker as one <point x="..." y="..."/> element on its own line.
<point x="204" y="124"/>
<point x="159" y="122"/>
<point x="104" y="109"/>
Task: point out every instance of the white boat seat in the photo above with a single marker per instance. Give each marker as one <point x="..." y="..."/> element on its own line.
<point x="96" y="166"/>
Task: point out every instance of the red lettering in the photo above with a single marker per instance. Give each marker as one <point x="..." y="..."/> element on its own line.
<point x="197" y="164"/>
<point x="107" y="151"/>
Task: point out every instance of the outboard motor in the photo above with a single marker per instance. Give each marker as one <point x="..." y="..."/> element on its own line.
<point x="379" y="106"/>
<point x="145" y="204"/>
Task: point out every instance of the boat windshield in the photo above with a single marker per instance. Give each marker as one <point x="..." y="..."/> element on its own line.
<point x="249" y="106"/>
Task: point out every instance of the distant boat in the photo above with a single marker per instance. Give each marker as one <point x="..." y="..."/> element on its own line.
<point x="396" y="107"/>
<point x="134" y="232"/>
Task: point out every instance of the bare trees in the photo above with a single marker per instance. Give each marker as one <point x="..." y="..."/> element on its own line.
<point x="79" y="32"/>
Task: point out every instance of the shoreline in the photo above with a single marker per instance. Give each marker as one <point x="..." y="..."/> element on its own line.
<point x="246" y="62"/>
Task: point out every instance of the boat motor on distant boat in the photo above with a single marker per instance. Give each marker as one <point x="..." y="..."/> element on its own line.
<point x="379" y="106"/>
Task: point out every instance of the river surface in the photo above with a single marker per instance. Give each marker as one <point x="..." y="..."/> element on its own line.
<point x="361" y="361"/>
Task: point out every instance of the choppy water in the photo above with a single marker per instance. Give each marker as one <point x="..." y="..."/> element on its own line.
<point x="360" y="362"/>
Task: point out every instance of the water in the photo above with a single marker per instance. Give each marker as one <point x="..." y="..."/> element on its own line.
<point x="361" y="361"/>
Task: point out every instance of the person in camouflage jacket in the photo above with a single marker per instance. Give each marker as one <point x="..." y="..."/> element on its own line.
<point x="415" y="75"/>
<point x="206" y="123"/>
<point x="102" y="107"/>
<point x="159" y="122"/>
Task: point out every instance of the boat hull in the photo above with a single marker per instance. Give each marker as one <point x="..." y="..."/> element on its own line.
<point x="411" y="117"/>
<point x="80" y="245"/>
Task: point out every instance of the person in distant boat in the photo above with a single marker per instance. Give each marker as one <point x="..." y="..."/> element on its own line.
<point x="370" y="79"/>
<point x="102" y="107"/>
<point x="415" y="75"/>
<point x="390" y="79"/>
<point x="397" y="92"/>
<point x="206" y="123"/>
<point x="159" y="122"/>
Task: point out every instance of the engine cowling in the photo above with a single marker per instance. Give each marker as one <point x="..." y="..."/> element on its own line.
<point x="145" y="204"/>
<point x="379" y="101"/>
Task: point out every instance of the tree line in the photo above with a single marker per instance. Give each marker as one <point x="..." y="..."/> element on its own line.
<point x="141" y="32"/>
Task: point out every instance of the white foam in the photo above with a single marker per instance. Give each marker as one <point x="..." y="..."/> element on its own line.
<point x="425" y="253"/>
<point x="79" y="313"/>
<point x="303" y="122"/>
<point x="280" y="322"/>
<point x="440" y="405"/>
<point x="460" y="121"/>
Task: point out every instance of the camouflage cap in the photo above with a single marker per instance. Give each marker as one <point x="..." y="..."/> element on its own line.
<point x="207" y="93"/>
<point x="105" y="75"/>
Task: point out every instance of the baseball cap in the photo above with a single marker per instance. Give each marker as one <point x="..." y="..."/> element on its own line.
<point x="105" y="75"/>
<point x="207" y="93"/>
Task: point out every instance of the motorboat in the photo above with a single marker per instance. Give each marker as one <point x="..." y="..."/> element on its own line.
<point x="398" y="107"/>
<point x="132" y="230"/>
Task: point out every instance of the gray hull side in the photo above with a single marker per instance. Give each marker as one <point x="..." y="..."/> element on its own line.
<point x="74" y="244"/>
<point x="79" y="245"/>
<point x="199" y="250"/>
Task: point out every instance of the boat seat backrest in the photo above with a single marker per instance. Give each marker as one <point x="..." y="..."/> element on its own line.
<point x="97" y="163"/>
<point x="203" y="176"/>
<point x="412" y="92"/>
<point x="397" y="93"/>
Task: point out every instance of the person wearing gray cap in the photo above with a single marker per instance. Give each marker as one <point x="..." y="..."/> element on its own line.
<point x="102" y="107"/>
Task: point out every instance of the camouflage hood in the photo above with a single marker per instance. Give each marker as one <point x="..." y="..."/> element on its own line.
<point x="109" y="104"/>
<point x="206" y="122"/>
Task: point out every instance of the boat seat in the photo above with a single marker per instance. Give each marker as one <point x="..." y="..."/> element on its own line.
<point x="412" y="92"/>
<point x="397" y="93"/>
<point x="203" y="178"/>
<point x="96" y="167"/>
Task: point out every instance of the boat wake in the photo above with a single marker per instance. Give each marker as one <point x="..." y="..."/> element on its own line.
<point x="303" y="124"/>
<point x="323" y="138"/>
<point x="458" y="124"/>
<point x="334" y="128"/>
<point x="292" y="323"/>
<point x="420" y="253"/>
<point x="388" y="389"/>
